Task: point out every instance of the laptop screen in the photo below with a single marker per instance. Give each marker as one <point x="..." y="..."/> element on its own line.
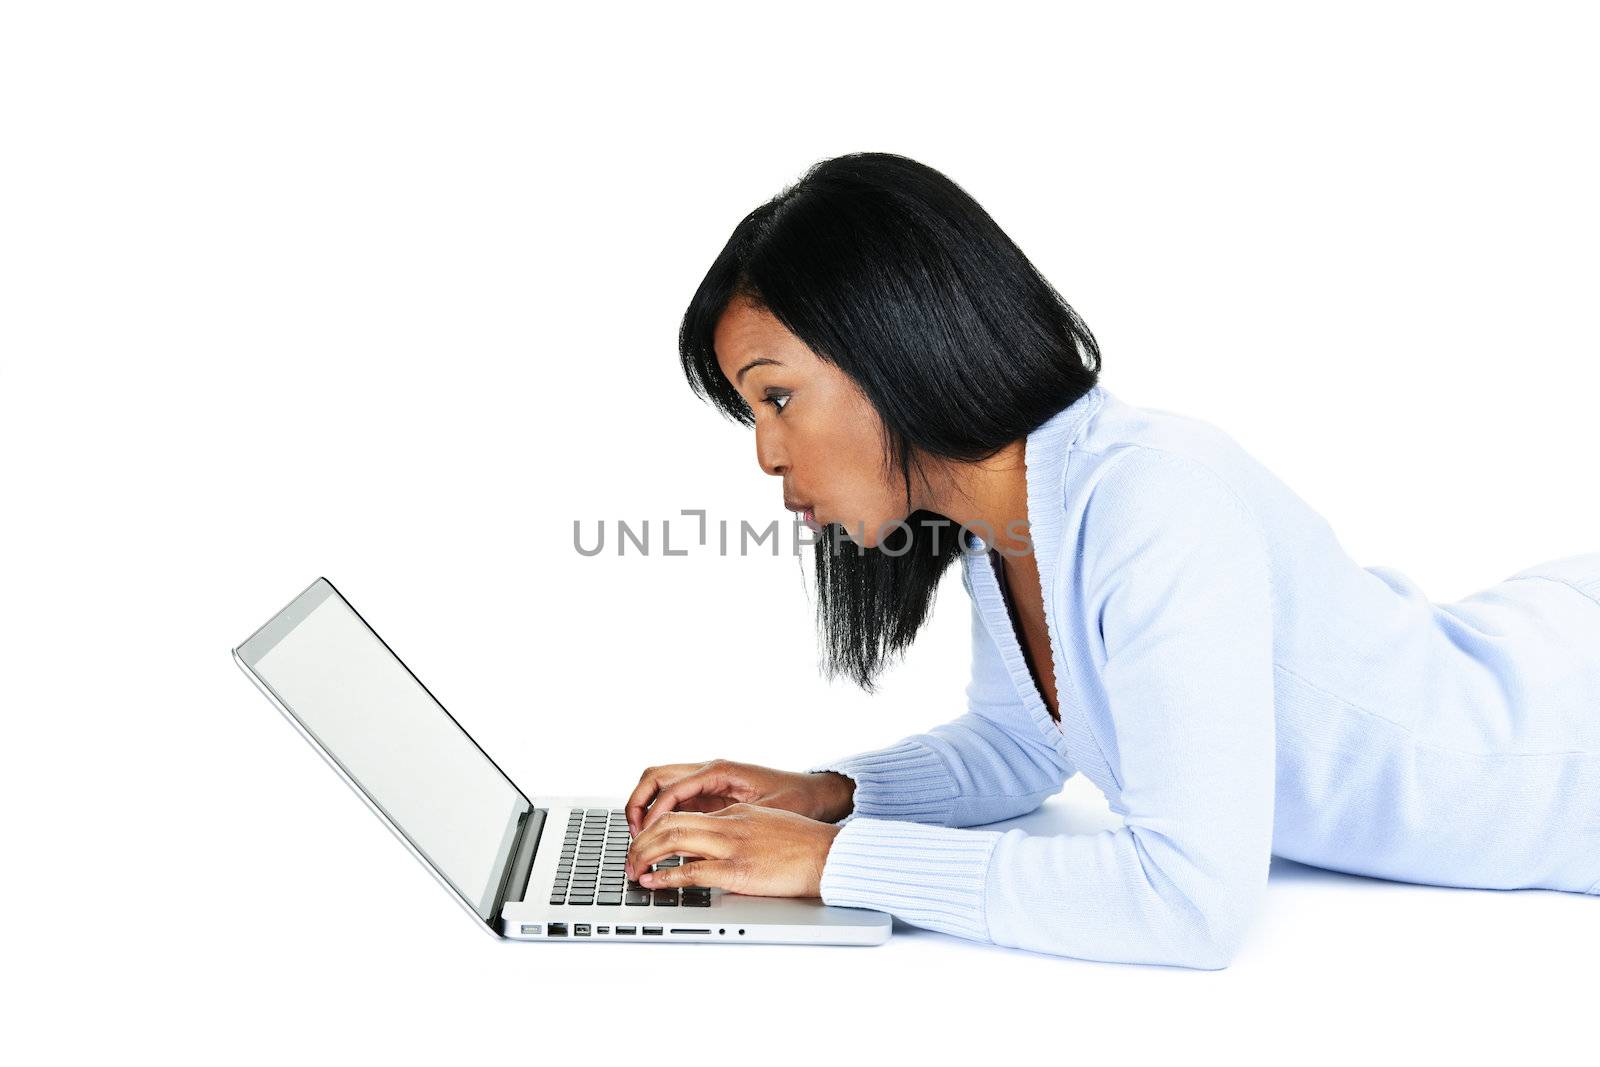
<point x="398" y="744"/>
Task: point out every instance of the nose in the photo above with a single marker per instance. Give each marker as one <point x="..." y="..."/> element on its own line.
<point x="769" y="453"/>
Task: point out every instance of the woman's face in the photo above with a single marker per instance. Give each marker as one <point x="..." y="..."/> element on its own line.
<point x="815" y="429"/>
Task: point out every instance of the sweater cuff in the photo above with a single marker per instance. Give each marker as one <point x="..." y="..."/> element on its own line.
<point x="929" y="876"/>
<point x="908" y="781"/>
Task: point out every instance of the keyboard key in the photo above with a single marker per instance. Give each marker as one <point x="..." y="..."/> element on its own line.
<point x="608" y="898"/>
<point x="636" y="897"/>
<point x="665" y="898"/>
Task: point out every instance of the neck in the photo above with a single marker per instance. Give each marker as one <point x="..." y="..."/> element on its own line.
<point x="988" y="497"/>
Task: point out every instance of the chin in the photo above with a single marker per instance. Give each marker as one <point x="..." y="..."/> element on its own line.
<point x="872" y="531"/>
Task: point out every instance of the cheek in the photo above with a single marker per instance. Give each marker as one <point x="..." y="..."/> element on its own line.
<point x="839" y="457"/>
<point x="865" y="495"/>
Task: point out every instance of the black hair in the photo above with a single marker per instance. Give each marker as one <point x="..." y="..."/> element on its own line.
<point x="892" y="272"/>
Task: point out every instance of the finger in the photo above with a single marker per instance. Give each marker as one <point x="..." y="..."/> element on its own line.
<point x="674" y="837"/>
<point x="677" y="834"/>
<point x="650" y="781"/>
<point x="717" y="874"/>
<point x="711" y="779"/>
<point x="705" y="803"/>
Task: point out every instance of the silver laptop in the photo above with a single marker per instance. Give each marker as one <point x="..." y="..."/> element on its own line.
<point x="539" y="869"/>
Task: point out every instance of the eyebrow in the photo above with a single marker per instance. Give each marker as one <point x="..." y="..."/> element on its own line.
<point x="757" y="362"/>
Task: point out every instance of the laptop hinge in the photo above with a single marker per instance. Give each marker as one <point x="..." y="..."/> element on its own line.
<point x="514" y="883"/>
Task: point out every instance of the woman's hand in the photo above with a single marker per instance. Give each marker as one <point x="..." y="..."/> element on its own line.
<point x="742" y="848"/>
<point x="706" y="787"/>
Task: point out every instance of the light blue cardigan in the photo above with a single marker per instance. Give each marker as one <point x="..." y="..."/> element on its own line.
<point x="1237" y="687"/>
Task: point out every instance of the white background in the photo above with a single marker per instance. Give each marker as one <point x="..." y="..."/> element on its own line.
<point x="389" y="293"/>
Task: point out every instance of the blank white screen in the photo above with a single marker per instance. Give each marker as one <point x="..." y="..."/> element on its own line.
<point x="398" y="744"/>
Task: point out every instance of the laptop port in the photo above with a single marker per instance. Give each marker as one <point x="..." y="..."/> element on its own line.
<point x="556" y="930"/>
<point x="652" y="931"/>
<point x="580" y="930"/>
<point x="689" y="930"/>
<point x="602" y="929"/>
<point x="627" y="931"/>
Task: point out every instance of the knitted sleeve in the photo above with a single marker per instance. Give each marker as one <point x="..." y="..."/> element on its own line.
<point x="986" y="766"/>
<point x="1178" y="602"/>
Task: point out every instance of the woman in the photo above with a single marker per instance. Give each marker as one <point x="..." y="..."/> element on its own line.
<point x="1150" y="606"/>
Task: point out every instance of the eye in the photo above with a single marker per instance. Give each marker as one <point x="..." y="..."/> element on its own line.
<point x="779" y="401"/>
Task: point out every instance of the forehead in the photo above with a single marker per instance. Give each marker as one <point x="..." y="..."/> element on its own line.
<point x="745" y="331"/>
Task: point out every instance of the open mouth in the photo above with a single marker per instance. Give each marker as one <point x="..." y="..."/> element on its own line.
<point x="807" y="513"/>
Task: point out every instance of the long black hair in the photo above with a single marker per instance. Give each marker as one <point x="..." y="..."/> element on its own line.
<point x="892" y="272"/>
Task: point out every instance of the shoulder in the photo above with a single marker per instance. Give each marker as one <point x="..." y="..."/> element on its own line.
<point x="1129" y="445"/>
<point x="1136" y="483"/>
<point x="1155" y="520"/>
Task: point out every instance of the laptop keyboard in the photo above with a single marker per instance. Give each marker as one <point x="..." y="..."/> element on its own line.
<point x="593" y="856"/>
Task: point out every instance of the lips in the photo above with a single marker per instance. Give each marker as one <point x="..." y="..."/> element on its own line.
<point x="807" y="513"/>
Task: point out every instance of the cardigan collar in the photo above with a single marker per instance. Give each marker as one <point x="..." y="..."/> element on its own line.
<point x="1045" y="459"/>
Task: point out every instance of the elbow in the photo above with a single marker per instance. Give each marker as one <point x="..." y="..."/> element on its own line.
<point x="1217" y="940"/>
<point x="1211" y="954"/>
<point x="1210" y="949"/>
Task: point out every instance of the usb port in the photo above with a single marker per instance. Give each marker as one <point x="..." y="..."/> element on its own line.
<point x="602" y="929"/>
<point x="627" y="931"/>
<point x="652" y="931"/>
<point x="557" y="929"/>
<point x="580" y="930"/>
